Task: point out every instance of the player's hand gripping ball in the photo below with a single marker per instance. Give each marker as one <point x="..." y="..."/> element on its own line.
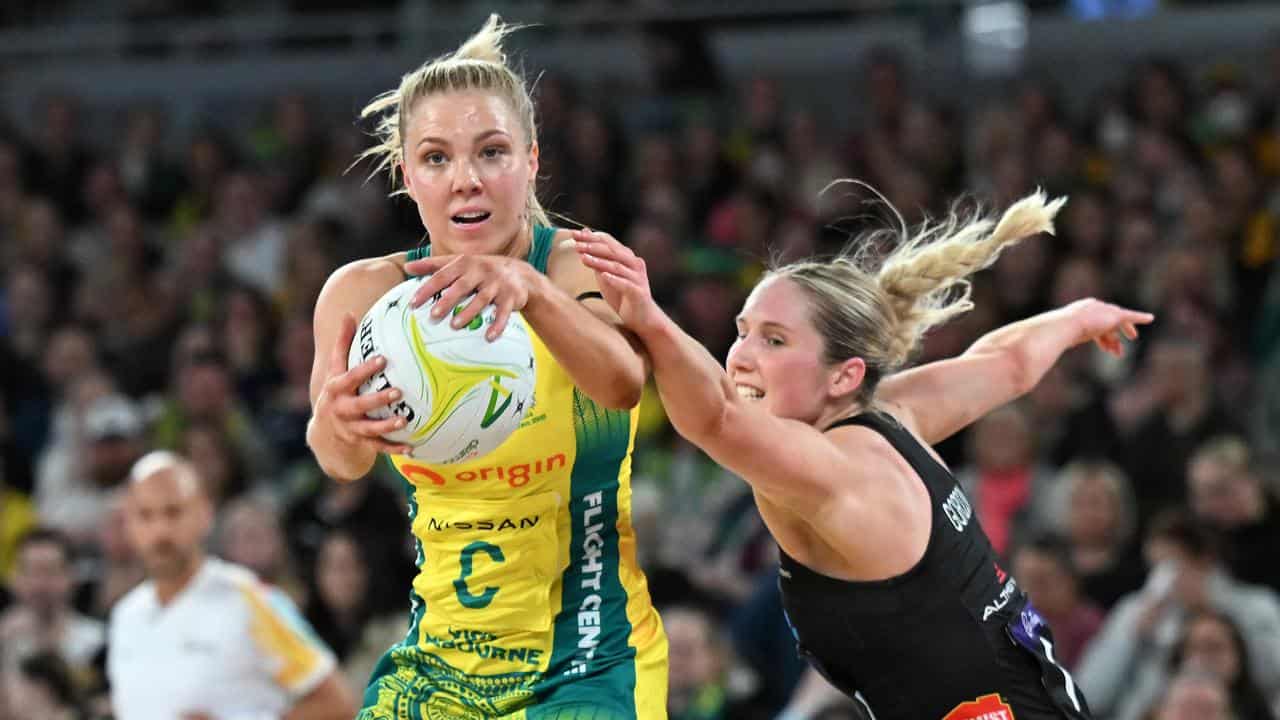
<point x="462" y="394"/>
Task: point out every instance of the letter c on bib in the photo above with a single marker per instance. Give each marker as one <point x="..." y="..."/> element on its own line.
<point x="465" y="596"/>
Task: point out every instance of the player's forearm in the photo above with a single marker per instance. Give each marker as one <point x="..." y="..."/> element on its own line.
<point x="694" y="388"/>
<point x="596" y="355"/>
<point x="1033" y="344"/>
<point x="338" y="460"/>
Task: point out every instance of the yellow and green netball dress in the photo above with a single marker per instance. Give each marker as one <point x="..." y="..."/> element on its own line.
<point x="529" y="603"/>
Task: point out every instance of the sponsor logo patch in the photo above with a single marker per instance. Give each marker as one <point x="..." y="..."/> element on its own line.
<point x="987" y="707"/>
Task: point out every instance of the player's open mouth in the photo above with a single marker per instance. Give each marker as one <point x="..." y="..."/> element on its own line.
<point x="750" y="393"/>
<point x="470" y="218"/>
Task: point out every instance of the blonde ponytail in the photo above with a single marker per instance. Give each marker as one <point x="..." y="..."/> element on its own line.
<point x="480" y="63"/>
<point x="879" y="311"/>
<point x="926" y="278"/>
<point x="486" y="45"/>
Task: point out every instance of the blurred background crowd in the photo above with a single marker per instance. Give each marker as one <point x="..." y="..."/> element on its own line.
<point x="157" y="280"/>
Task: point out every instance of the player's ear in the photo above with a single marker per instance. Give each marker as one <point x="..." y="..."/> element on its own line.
<point x="846" y="377"/>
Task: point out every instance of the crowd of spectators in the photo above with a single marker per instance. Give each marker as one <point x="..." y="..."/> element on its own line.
<point x="156" y="292"/>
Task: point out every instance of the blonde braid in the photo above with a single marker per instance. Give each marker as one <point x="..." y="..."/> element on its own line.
<point x="920" y="279"/>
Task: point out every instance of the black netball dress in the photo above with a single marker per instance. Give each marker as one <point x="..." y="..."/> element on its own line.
<point x="954" y="638"/>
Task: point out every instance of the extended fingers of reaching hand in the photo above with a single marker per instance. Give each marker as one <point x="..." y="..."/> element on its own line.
<point x="500" y="317"/>
<point x="1110" y="342"/>
<point x="604" y="254"/>
<point x="453" y="293"/>
<point x="442" y="278"/>
<point x="485" y="294"/>
<point x="604" y="245"/>
<point x="610" y="267"/>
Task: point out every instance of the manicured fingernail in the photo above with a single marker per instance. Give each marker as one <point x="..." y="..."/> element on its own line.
<point x="399" y="422"/>
<point x="380" y="361"/>
<point x="395" y="394"/>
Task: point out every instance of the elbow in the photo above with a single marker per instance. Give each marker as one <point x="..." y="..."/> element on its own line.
<point x="706" y="428"/>
<point x="623" y="393"/>
<point x="623" y="388"/>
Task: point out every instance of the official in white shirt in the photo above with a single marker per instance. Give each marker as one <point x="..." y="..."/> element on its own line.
<point x="203" y="639"/>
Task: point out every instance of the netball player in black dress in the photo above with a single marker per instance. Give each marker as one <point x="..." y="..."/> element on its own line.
<point x="889" y="582"/>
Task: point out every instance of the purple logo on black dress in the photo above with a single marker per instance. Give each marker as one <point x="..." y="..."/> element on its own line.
<point x="1029" y="628"/>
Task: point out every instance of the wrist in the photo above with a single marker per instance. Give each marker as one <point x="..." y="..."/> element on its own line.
<point x="539" y="288"/>
<point x="1073" y="316"/>
<point x="657" y="328"/>
<point x="338" y="459"/>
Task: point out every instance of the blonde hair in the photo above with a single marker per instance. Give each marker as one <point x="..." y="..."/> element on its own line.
<point x="879" y="311"/>
<point x="480" y="63"/>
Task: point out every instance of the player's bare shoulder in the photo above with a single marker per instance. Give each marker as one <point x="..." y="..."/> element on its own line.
<point x="354" y="287"/>
<point x="565" y="267"/>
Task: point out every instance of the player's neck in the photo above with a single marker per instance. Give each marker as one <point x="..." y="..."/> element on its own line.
<point x="168" y="588"/>
<point x="836" y="412"/>
<point x="521" y="244"/>
<point x="518" y="247"/>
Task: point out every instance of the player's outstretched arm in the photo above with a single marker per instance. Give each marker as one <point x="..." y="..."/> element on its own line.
<point x="694" y="388"/>
<point x="788" y="461"/>
<point x="941" y="398"/>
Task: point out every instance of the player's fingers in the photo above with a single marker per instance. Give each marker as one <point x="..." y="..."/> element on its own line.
<point x="601" y="244"/>
<point x="605" y="246"/>
<point x="620" y="284"/>
<point x="375" y="429"/>
<point x="449" y="300"/>
<point x="500" y="317"/>
<point x="345" y="383"/>
<point x="612" y="243"/>
<point x="612" y="267"/>
<point x="1139" y="318"/>
<point x="388" y="448"/>
<point x="427" y="265"/>
<point x="475" y="306"/>
<point x="441" y="279"/>
<point x="373" y="401"/>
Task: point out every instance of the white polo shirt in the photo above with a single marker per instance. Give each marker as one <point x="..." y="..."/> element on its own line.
<point x="226" y="645"/>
